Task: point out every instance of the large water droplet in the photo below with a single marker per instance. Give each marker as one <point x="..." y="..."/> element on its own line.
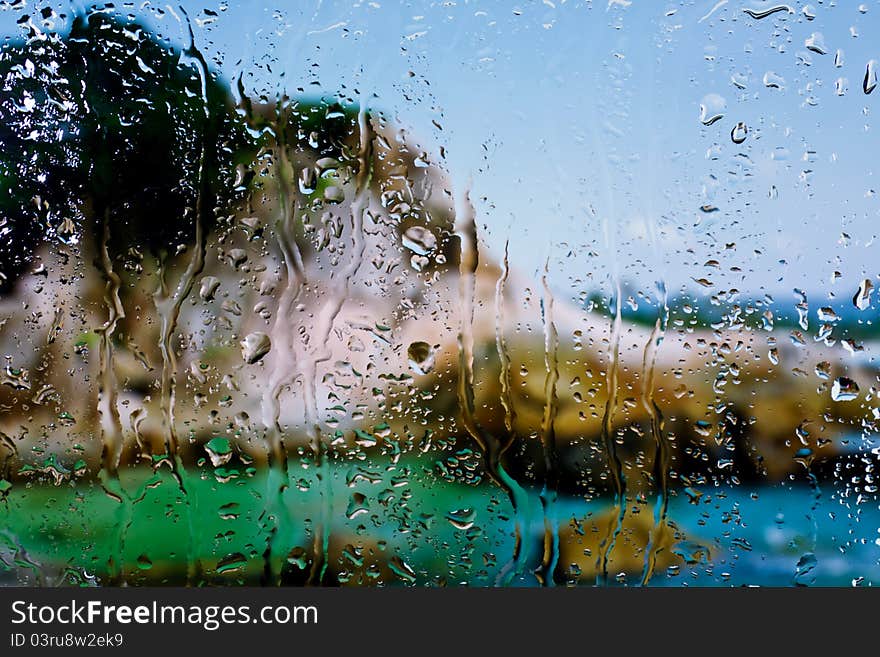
<point x="827" y="314"/>
<point x="870" y="81"/>
<point x="219" y="451"/>
<point x="844" y="389"/>
<point x="208" y="288"/>
<point x="357" y="505"/>
<point x="298" y="557"/>
<point x="421" y="357"/>
<point x="712" y="108"/>
<point x="232" y="563"/>
<point x="773" y="81"/>
<point x="462" y="518"/>
<point x="419" y="240"/>
<point x="816" y="43"/>
<point x="739" y="133"/>
<point x="805" y="572"/>
<point x="758" y="14"/>
<point x="334" y="194"/>
<point x="255" y="346"/>
<point x="862" y="298"/>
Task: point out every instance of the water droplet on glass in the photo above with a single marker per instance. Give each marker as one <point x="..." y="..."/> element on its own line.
<point x="870" y="81"/>
<point x="758" y="14"/>
<point x="421" y="357"/>
<point x="402" y="569"/>
<point x="773" y="81"/>
<point x="65" y="419"/>
<point x="844" y="389"/>
<point x="462" y="518"/>
<point x="852" y="346"/>
<point x="307" y="180"/>
<point x="419" y="240"/>
<point x="237" y="257"/>
<point x="816" y="43"/>
<point x="805" y="571"/>
<point x="232" y="563"/>
<point x="739" y="133"/>
<point x="712" y="108"/>
<point x="357" y="505"/>
<point x="255" y="346"/>
<point x="862" y="298"/>
<point x="219" y="451"/>
<point x="827" y="314"/>
<point x="208" y="288"/>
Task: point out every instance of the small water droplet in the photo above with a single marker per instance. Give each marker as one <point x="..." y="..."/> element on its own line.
<point x="65" y="419"/>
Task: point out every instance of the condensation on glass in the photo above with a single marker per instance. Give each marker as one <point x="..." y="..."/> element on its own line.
<point x="439" y="294"/>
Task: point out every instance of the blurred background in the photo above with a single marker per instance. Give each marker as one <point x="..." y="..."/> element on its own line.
<point x="438" y="294"/>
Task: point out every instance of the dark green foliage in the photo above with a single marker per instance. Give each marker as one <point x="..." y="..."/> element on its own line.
<point x="109" y="120"/>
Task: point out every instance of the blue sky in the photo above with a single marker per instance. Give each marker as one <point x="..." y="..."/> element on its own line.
<point x="577" y="124"/>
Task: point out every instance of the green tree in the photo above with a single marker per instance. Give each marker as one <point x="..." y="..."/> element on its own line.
<point x="109" y="122"/>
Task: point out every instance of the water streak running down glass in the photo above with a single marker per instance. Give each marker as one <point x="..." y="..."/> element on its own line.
<point x="439" y="294"/>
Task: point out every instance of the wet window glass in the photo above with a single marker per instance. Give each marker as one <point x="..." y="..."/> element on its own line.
<point x="557" y="293"/>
